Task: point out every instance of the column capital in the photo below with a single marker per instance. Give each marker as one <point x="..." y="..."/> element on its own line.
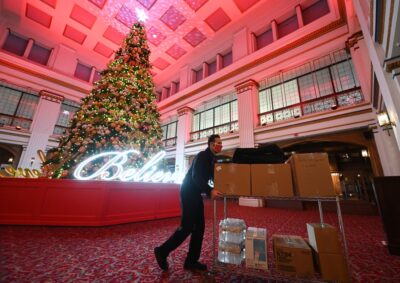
<point x="51" y="96"/>
<point x="353" y="39"/>
<point x="246" y="85"/>
<point x="184" y="110"/>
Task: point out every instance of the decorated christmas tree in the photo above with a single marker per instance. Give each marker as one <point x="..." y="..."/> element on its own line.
<point x="119" y="114"/>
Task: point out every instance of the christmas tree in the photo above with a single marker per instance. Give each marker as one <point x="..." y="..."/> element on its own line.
<point x="119" y="114"/>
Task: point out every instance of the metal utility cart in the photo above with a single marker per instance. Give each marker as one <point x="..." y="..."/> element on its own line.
<point x="265" y="274"/>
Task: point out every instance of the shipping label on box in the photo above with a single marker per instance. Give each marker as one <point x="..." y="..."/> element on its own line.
<point x="293" y="255"/>
<point x="273" y="180"/>
<point x="323" y="238"/>
<point x="232" y="179"/>
<point x="311" y="175"/>
<point x="256" y="248"/>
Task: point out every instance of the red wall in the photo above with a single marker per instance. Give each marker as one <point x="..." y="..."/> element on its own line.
<point x="84" y="203"/>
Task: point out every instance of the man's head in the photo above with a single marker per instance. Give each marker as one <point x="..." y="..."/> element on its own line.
<point x="215" y="143"/>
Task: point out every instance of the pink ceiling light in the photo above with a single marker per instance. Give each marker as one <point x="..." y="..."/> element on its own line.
<point x="173" y="18"/>
<point x="194" y="37"/>
<point x="176" y="52"/>
<point x="195" y="4"/>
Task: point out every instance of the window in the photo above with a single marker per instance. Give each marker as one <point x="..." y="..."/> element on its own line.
<point x="17" y="107"/>
<point x="198" y="75"/>
<point x="227" y="59"/>
<point x="264" y="39"/>
<point x="169" y="133"/>
<point x="15" y="44"/>
<point x="313" y="87"/>
<point x="97" y="76"/>
<point x="177" y="86"/>
<point x="39" y="54"/>
<point x="315" y="11"/>
<point x="67" y="110"/>
<point x="220" y="119"/>
<point x="83" y="72"/>
<point x="288" y="26"/>
<point x="212" y="68"/>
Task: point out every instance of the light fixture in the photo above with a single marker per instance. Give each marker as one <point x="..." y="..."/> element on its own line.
<point x="141" y="14"/>
<point x="18" y="127"/>
<point x="10" y="159"/>
<point x="384" y="121"/>
<point x="364" y="153"/>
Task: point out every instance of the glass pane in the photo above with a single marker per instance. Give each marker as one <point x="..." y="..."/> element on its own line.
<point x="9" y="100"/>
<point x="67" y="111"/>
<point x="265" y="100"/>
<point x="171" y="130"/>
<point x="291" y="93"/>
<point x="83" y="72"/>
<point x="324" y="82"/>
<point x="39" y="54"/>
<point x="27" y="106"/>
<point x="195" y="123"/>
<point x="234" y="111"/>
<point x="15" y="44"/>
<point x="207" y="119"/>
<point x="307" y="87"/>
<point x="277" y="97"/>
<point x="164" y="132"/>
<point x="343" y="77"/>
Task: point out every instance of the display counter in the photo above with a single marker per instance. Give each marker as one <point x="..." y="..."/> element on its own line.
<point x="64" y="202"/>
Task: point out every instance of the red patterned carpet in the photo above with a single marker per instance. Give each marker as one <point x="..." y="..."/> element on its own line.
<point x="124" y="253"/>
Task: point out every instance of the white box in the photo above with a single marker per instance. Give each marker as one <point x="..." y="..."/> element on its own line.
<point x="256" y="248"/>
<point x="252" y="202"/>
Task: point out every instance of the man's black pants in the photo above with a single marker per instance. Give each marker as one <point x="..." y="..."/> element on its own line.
<point x="192" y="222"/>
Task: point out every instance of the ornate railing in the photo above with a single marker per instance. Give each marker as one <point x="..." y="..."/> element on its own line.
<point x="219" y="130"/>
<point x="320" y="104"/>
<point x="13" y="121"/>
<point x="171" y="142"/>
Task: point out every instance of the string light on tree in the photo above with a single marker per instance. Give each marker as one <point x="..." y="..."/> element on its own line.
<point x="119" y="114"/>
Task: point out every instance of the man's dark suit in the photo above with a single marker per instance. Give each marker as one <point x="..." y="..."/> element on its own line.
<point x="192" y="219"/>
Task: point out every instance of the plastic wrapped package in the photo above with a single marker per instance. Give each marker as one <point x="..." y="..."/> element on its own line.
<point x="232" y="225"/>
<point x="231" y="258"/>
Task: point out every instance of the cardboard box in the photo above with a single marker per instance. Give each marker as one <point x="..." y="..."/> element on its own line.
<point x="252" y="202"/>
<point x="256" y="248"/>
<point x="311" y="175"/>
<point x="333" y="267"/>
<point x="271" y="180"/>
<point x="293" y="255"/>
<point x="323" y="239"/>
<point x="232" y="179"/>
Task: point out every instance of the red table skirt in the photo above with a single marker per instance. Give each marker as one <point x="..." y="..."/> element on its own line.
<point x="84" y="203"/>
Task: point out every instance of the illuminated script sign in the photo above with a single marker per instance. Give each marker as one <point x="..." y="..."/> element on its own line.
<point x="113" y="169"/>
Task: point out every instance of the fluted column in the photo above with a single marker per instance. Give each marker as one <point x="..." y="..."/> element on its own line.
<point x="42" y="128"/>
<point x="247" y="96"/>
<point x="185" y="116"/>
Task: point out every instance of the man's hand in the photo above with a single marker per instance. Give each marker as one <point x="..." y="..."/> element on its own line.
<point x="216" y="194"/>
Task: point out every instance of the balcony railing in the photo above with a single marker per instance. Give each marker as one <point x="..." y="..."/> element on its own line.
<point x="320" y="104"/>
<point x="170" y="142"/>
<point x="218" y="130"/>
<point x="13" y="121"/>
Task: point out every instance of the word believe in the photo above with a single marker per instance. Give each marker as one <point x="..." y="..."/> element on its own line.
<point x="113" y="169"/>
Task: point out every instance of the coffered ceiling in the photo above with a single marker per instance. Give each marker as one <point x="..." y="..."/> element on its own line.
<point x="177" y="30"/>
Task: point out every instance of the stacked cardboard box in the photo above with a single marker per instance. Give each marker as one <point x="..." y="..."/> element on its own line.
<point x="271" y="180"/>
<point x="308" y="173"/>
<point x="293" y="255"/>
<point x="232" y="179"/>
<point x="330" y="261"/>
<point x="231" y="240"/>
<point x="256" y="248"/>
<point x="311" y="175"/>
